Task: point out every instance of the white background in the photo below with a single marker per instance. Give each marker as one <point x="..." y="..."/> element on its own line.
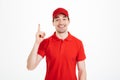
<point x="95" y="22"/>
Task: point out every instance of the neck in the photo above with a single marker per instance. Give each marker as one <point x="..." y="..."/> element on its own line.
<point x="62" y="35"/>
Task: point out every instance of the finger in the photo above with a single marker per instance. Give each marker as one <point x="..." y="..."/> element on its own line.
<point x="38" y="27"/>
<point x="42" y="35"/>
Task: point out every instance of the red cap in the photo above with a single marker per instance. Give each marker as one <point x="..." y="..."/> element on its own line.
<point x="60" y="11"/>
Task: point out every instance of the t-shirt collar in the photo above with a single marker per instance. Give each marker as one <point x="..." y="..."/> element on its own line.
<point x="69" y="37"/>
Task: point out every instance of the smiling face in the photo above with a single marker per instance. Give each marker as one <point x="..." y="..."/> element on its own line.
<point x="61" y="23"/>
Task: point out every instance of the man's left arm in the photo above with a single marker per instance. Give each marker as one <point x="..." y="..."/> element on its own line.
<point x="81" y="70"/>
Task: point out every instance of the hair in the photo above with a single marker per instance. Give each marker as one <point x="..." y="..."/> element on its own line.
<point x="63" y="14"/>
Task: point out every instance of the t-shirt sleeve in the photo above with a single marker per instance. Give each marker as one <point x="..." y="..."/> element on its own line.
<point x="81" y="53"/>
<point x="42" y="48"/>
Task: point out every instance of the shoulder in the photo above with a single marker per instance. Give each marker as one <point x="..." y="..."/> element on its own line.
<point x="78" y="42"/>
<point x="76" y="39"/>
<point x="46" y="40"/>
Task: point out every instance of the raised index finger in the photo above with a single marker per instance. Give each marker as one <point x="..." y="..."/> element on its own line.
<point x="38" y="27"/>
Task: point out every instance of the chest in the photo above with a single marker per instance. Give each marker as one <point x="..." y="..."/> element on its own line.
<point x="62" y="50"/>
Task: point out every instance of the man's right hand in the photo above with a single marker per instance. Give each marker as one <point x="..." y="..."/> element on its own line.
<point x="39" y="35"/>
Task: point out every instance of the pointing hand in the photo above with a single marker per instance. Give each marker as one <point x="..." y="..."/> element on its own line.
<point x="39" y="35"/>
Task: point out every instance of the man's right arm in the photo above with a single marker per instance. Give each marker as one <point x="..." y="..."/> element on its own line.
<point x="33" y="58"/>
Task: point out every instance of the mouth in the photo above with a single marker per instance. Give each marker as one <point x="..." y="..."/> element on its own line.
<point x="61" y="26"/>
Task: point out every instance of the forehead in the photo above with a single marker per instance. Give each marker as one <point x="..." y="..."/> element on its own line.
<point x="61" y="16"/>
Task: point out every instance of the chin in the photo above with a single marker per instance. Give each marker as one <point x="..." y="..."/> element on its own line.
<point x="61" y="31"/>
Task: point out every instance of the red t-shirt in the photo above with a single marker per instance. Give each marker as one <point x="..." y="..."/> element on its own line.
<point x="61" y="57"/>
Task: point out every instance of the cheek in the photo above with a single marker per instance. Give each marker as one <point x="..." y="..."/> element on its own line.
<point x="54" y="24"/>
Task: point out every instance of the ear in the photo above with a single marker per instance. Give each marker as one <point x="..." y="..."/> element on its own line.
<point x="53" y="23"/>
<point x="68" y="21"/>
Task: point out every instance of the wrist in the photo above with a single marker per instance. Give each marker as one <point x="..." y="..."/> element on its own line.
<point x="36" y="43"/>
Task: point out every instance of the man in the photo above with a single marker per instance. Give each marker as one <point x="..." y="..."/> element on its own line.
<point x="62" y="50"/>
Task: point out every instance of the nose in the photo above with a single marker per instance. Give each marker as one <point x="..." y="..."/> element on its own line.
<point x="61" y="21"/>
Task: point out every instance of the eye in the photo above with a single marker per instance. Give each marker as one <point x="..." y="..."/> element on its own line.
<point x="64" y="19"/>
<point x="56" y="20"/>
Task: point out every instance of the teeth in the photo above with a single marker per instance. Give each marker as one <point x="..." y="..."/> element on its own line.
<point x="61" y="26"/>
